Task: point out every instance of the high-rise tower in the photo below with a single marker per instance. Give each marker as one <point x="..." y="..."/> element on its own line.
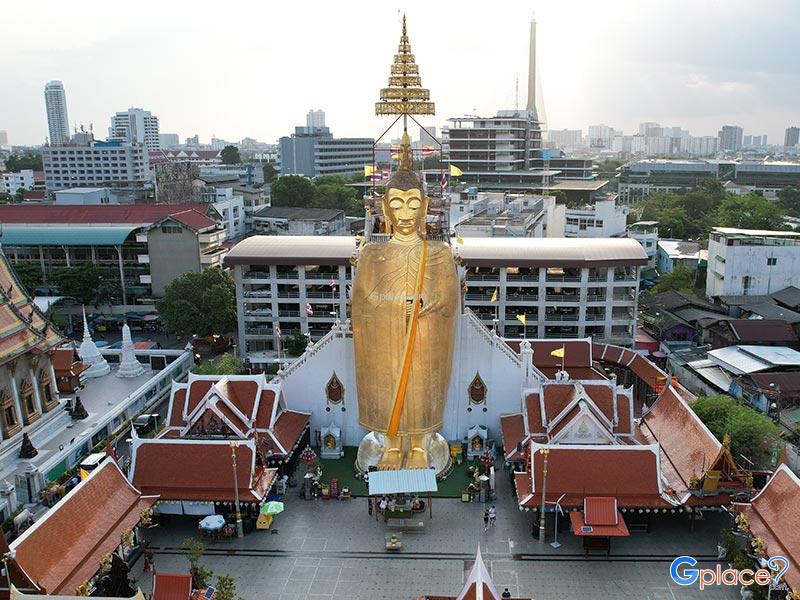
<point x="57" y="120"/>
<point x="531" y="107"/>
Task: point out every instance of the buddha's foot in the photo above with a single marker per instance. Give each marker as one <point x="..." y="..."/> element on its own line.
<point x="417" y="459"/>
<point x="391" y="460"/>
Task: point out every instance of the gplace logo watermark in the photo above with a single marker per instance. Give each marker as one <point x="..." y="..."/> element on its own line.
<point x="683" y="573"/>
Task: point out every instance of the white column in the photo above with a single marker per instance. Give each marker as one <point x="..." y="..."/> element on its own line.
<point x="37" y="399"/>
<point x="15" y="394"/>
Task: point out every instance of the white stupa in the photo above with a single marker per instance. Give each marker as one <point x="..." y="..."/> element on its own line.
<point x="128" y="366"/>
<point x="90" y="355"/>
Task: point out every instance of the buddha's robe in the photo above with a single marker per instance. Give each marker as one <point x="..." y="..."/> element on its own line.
<point x="384" y="286"/>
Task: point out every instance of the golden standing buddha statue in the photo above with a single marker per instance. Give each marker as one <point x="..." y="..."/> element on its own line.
<point x="404" y="309"/>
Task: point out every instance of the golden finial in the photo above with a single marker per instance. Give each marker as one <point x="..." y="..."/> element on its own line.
<point x="405" y="94"/>
<point x="726" y="441"/>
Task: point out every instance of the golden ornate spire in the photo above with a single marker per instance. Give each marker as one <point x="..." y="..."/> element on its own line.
<point x="406" y="158"/>
<point x="404" y="96"/>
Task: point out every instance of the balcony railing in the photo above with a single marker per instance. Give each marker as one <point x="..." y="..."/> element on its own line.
<point x="288" y="313"/>
<point x="288" y="294"/>
<point x="289" y="275"/>
<point x="561" y="317"/>
<point x="562" y="298"/>
<point x="479" y="297"/>
<point x="483" y="277"/>
<point x="595" y="298"/>
<point x="562" y="279"/>
<point x="518" y="277"/>
<point x="325" y="276"/>
<point x="522" y="298"/>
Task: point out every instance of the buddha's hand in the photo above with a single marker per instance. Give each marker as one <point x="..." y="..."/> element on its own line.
<point x="431" y="303"/>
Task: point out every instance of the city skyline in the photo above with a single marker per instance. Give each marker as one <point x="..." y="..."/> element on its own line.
<point x="688" y="65"/>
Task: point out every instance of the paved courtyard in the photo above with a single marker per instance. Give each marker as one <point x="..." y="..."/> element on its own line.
<point x="331" y="549"/>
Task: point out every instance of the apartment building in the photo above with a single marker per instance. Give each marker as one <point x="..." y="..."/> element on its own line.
<point x="55" y="101"/>
<point x="750" y="262"/>
<point x="601" y="219"/>
<point x="138" y="248"/>
<point x="85" y="162"/>
<point x="290" y="220"/>
<point x="135" y="126"/>
<point x="15" y="181"/>
<point x="565" y="288"/>
<point x="313" y="151"/>
<point x="646" y="233"/>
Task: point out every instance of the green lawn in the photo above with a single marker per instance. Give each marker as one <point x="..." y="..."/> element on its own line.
<point x="344" y="469"/>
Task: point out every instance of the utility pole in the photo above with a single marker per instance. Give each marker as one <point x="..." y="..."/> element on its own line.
<point x="545" y="452"/>
<point x="239" y="529"/>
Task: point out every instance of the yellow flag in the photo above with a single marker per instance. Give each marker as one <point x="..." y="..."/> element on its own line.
<point x="455" y="171"/>
<point x="368" y="170"/>
<point x="521" y="319"/>
<point x="494" y="296"/>
<point x="559" y="353"/>
<point x="84" y="474"/>
<point x="459" y="239"/>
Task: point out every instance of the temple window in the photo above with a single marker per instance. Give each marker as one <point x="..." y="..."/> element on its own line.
<point x="48" y="400"/>
<point x="334" y="390"/>
<point x="477" y="390"/>
<point x="10" y="424"/>
<point x="28" y="404"/>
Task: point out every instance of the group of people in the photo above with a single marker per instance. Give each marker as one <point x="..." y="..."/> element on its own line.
<point x="489" y="517"/>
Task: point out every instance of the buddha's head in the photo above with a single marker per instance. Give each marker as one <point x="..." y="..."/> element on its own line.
<point x="405" y="204"/>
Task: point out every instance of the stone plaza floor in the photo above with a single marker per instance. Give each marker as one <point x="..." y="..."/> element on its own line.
<point x="332" y="549"/>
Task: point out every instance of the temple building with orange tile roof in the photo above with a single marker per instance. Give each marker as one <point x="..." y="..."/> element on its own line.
<point x="62" y="551"/>
<point x="204" y="415"/>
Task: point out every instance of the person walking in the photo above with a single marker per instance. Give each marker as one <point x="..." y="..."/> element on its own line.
<point x="492" y="516"/>
<point x="485" y="520"/>
<point x="506" y="593"/>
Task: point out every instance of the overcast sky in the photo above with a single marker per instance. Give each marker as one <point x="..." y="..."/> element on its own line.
<point x="239" y="69"/>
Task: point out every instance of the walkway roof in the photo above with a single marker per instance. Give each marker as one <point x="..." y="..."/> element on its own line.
<point x="403" y="481"/>
<point x="65" y="235"/>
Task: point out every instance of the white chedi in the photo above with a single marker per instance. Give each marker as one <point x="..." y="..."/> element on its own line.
<point x="128" y="366"/>
<point x="90" y="355"/>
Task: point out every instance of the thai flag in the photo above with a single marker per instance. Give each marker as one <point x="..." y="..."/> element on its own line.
<point x="385" y="173"/>
<point x="375" y="177"/>
<point x="332" y="283"/>
<point x="309" y="310"/>
<point x="444" y="181"/>
<point x="427" y="150"/>
<point x="277" y="332"/>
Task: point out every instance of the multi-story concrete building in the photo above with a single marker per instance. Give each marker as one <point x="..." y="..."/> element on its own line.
<point x="566" y="288"/>
<point x="140" y="248"/>
<point x="677" y="253"/>
<point x="227" y="203"/>
<point x="168" y="140"/>
<point x="15" y="181"/>
<point x="703" y="146"/>
<point x="135" y="126"/>
<point x="289" y="220"/>
<point x="646" y="233"/>
<point x="641" y="178"/>
<point x="565" y="138"/>
<point x="86" y="196"/>
<point x="500" y="214"/>
<point x="315" y="119"/>
<point x="792" y="137"/>
<point x="57" y="119"/>
<point x="3" y="139"/>
<point x="90" y="163"/>
<point x="751" y="262"/>
<point x="730" y="138"/>
<point x="601" y="219"/>
<point x="312" y="152"/>
<point x="601" y="136"/>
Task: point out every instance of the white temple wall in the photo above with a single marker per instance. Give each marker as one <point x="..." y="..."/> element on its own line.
<point x="476" y="351"/>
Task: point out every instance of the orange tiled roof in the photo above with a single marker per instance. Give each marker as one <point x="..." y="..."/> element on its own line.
<point x="512" y="428"/>
<point x="23" y="328"/>
<point x="197" y="470"/>
<point x="171" y="586"/>
<point x="688" y="448"/>
<point x="63" y="548"/>
<point x="628" y="473"/>
<point x="772" y="516"/>
<point x="289" y="427"/>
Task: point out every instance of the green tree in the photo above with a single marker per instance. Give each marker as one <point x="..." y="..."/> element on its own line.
<point x="230" y="155"/>
<point x="226" y="588"/>
<point x="292" y="190"/>
<point x="752" y="434"/>
<point x="227" y="364"/>
<point x="270" y="172"/>
<point x="296" y="344"/>
<point x="749" y="212"/>
<point x="15" y="162"/>
<point x="79" y="282"/>
<point x="193" y="550"/>
<point x="681" y="278"/>
<point x="789" y="199"/>
<point x="29" y="275"/>
<point x="199" y="303"/>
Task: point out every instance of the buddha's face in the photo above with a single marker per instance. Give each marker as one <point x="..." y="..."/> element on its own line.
<point x="406" y="210"/>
